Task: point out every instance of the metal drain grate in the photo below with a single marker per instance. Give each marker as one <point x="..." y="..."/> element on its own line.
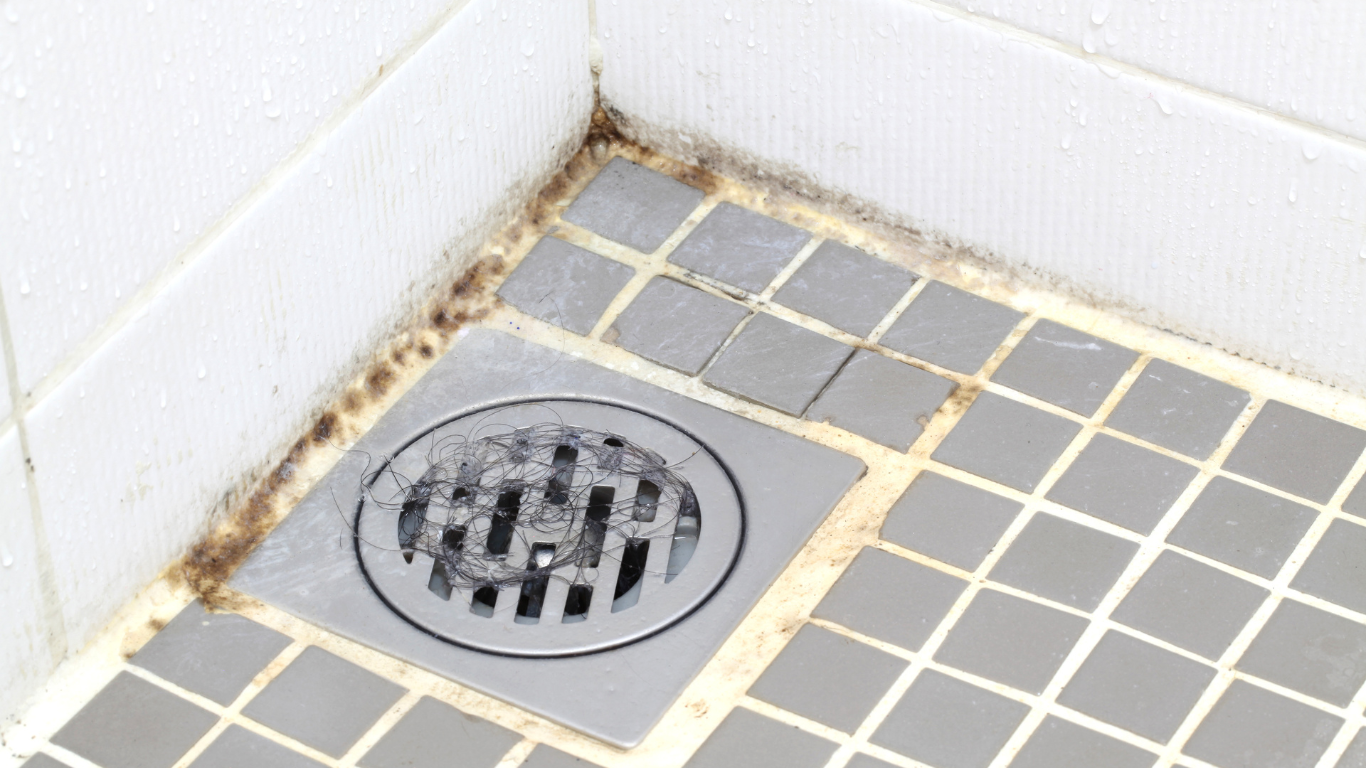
<point x="549" y="528"/>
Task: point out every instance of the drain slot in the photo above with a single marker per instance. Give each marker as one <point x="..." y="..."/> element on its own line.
<point x="595" y="524"/>
<point x="533" y="589"/>
<point x="628" y="578"/>
<point x="504" y="516"/>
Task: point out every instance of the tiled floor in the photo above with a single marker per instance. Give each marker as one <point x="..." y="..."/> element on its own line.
<point x="1070" y="551"/>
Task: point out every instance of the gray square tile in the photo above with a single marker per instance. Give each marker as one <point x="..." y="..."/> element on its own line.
<point x="1242" y="526"/>
<point x="564" y="284"/>
<point x="828" y="678"/>
<point x="40" y="760"/>
<point x="1310" y="651"/>
<point x="845" y="287"/>
<point x="740" y="247"/>
<point x="1250" y="728"/>
<point x="947" y="723"/>
<point x="950" y="521"/>
<point x="890" y="598"/>
<point x="1178" y="409"/>
<point x="749" y="739"/>
<point x="1065" y="367"/>
<point x="1336" y="569"/>
<point x="1064" y="561"/>
<point x="1190" y="604"/>
<point x="778" y="364"/>
<point x="1136" y="686"/>
<point x="1297" y="451"/>
<point x="238" y="748"/>
<point x="1009" y="442"/>
<point x="1122" y="483"/>
<point x="633" y="205"/>
<point x="544" y="756"/>
<point x="432" y="731"/>
<point x="1060" y="744"/>
<point x="1355" y="756"/>
<point x="1355" y="503"/>
<point x="323" y="701"/>
<point x="216" y="655"/>
<point x="951" y="328"/>
<point x="132" y="723"/>
<point x="1011" y="640"/>
<point x="675" y="325"/>
<point x="881" y="399"/>
<point x="867" y="761"/>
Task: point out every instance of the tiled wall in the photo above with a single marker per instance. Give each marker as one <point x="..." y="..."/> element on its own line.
<point x="1149" y="175"/>
<point x="230" y="276"/>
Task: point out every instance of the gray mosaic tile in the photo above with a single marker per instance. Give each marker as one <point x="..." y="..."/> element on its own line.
<point x="951" y="328"/>
<point x="1011" y="640"/>
<point x="1009" y="442"/>
<point x="1310" y="651"/>
<point x="948" y="723"/>
<point x="1065" y="367"/>
<point x="778" y="364"/>
<point x="633" y="205"/>
<point x="1060" y="744"/>
<point x="890" y="598"/>
<point x="432" y="731"/>
<point x="675" y="325"/>
<point x="740" y="247"/>
<point x="1297" y="451"/>
<point x="323" y="701"/>
<point x="1355" y="756"/>
<point x="1064" y="561"/>
<point x="216" y="655"/>
<point x="1178" y="409"/>
<point x="867" y="761"/>
<point x="1242" y="526"/>
<point x="237" y="748"/>
<point x="40" y="760"/>
<point x="132" y="723"/>
<point x="1122" y="483"/>
<point x="950" y="521"/>
<point x="828" y="678"/>
<point x="749" y="739"/>
<point x="1355" y="503"/>
<point x="1190" y="605"/>
<point x="1136" y="686"/>
<point x="544" y="756"/>
<point x="564" y="284"/>
<point x="881" y="399"/>
<point x="845" y="287"/>
<point x="1253" y="728"/>
<point x="1336" y="569"/>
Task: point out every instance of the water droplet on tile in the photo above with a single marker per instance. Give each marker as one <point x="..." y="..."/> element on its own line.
<point x="1164" y="103"/>
<point x="6" y="557"/>
<point x="273" y="111"/>
<point x="528" y="48"/>
<point x="265" y="90"/>
<point x="1100" y="11"/>
<point x="1312" y="150"/>
<point x="1294" y="193"/>
<point x="20" y="91"/>
<point x="24" y="287"/>
<point x="203" y="371"/>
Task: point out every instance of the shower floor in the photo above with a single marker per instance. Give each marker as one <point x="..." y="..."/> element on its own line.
<point x="1078" y="541"/>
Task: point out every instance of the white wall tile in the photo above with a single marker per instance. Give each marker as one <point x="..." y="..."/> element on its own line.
<point x="135" y="126"/>
<point x="1187" y="212"/>
<point x="25" y="658"/>
<point x="1302" y="60"/>
<point x="139" y="443"/>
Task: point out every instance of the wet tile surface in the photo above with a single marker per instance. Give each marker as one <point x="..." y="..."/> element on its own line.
<point x="544" y="756"/>
<point x="1336" y="569"/>
<point x="132" y="723"/>
<point x="890" y="598"/>
<point x="1060" y="744"/>
<point x="237" y="747"/>
<point x="213" y="654"/>
<point x="633" y="205"/>
<point x="1122" y="483"/>
<point x="949" y="520"/>
<point x="1310" y="651"/>
<point x="951" y="328"/>
<point x="740" y="247"/>
<point x="867" y="761"/>
<point x="828" y="678"/>
<point x="947" y="722"/>
<point x="1355" y="503"/>
<point x="1297" y="451"/>
<point x="1355" y="756"/>
<point x="881" y="399"/>
<point x="676" y="325"/>
<point x="1250" y="726"/>
<point x="1242" y="526"/>
<point x="1065" y="367"/>
<point x="778" y="364"/>
<point x="1011" y="443"/>
<point x="564" y="284"/>
<point x="1063" y="561"/>
<point x="432" y="731"/>
<point x="41" y="760"/>
<point x="1011" y="640"/>
<point x="323" y="701"/>
<point x="1178" y="409"/>
<point x="845" y="287"/>
<point x="746" y="738"/>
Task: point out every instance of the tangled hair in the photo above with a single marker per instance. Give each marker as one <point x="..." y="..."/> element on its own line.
<point x="541" y="502"/>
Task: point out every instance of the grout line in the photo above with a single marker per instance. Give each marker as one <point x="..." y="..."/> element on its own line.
<point x="366" y="742"/>
<point x="897" y="310"/>
<point x="517" y="754"/>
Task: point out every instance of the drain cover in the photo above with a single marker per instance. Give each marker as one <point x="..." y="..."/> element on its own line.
<point x="549" y="528"/>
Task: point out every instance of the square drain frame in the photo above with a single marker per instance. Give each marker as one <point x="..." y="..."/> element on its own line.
<point x="308" y="565"/>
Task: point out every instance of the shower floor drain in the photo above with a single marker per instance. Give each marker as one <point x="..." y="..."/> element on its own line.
<point x="549" y="528"/>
